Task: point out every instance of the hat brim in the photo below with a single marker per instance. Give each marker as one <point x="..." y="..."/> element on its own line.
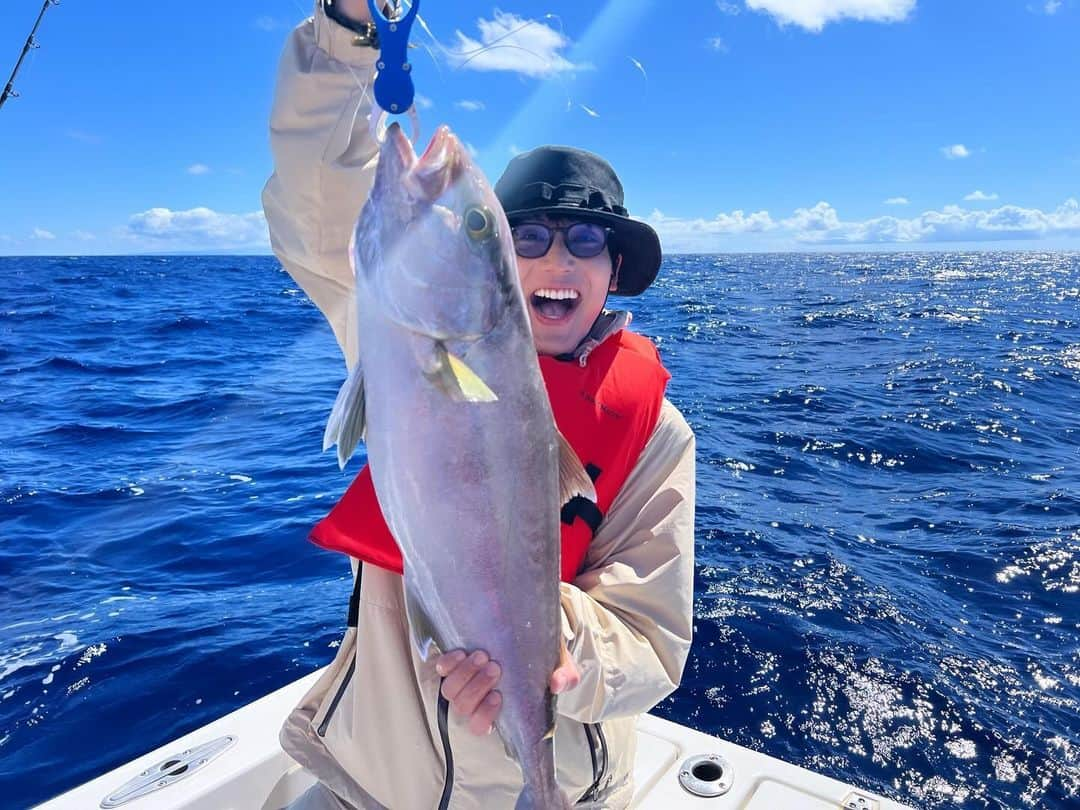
<point x="636" y="242"/>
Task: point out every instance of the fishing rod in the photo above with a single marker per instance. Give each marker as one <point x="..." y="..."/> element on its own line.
<point x="9" y="89"/>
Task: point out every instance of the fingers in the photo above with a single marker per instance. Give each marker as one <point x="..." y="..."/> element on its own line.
<point x="567" y="675"/>
<point x="446" y="662"/>
<point x="469" y="694"/>
<point x="483" y="719"/>
<point x="468" y="684"/>
<point x="461" y="673"/>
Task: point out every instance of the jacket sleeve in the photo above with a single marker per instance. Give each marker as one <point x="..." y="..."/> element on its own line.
<point x="628" y="617"/>
<point x="324" y="164"/>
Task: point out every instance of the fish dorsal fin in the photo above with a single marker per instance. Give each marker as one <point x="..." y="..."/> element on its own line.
<point x="573" y="480"/>
<point x="454" y="378"/>
<point x="346" y="424"/>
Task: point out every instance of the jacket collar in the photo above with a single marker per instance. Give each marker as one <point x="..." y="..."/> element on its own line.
<point x="610" y="322"/>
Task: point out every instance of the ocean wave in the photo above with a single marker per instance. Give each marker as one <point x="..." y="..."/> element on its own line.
<point x="180" y="325"/>
<point x="887" y="510"/>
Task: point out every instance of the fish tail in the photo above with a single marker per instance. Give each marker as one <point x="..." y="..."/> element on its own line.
<point x="541" y="791"/>
<point x="532" y="799"/>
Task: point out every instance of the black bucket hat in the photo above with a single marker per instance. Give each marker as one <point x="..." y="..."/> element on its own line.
<point x="562" y="181"/>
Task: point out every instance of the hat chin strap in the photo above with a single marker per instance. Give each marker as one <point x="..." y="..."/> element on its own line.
<point x="614" y="283"/>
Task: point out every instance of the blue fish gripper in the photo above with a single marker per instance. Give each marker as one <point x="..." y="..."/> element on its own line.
<point x="394" y="91"/>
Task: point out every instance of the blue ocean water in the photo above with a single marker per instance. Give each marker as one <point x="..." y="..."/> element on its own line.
<point x="888" y="535"/>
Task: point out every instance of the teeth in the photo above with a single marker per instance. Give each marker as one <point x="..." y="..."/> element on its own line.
<point x="557" y="295"/>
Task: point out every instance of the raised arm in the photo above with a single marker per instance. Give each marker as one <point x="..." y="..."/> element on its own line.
<point x="324" y="161"/>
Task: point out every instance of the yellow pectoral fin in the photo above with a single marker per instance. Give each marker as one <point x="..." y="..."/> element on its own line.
<point x="472" y="387"/>
<point x="457" y="380"/>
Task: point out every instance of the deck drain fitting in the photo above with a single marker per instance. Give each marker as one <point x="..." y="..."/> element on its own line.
<point x="706" y="775"/>
<point x="857" y="801"/>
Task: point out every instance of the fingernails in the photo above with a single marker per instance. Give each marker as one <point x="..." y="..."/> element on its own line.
<point x="479" y="658"/>
<point x="492" y="670"/>
<point x="448" y="661"/>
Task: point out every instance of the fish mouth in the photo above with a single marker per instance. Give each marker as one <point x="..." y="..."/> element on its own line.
<point x="554" y="304"/>
<point x="400" y="143"/>
<point x="440" y="166"/>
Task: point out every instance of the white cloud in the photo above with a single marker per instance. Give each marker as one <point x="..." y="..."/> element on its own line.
<point x="1051" y="6"/>
<point x="198" y="229"/>
<point x="956" y="151"/>
<point x="897" y="201"/>
<point x="728" y="8"/>
<point x="469" y="105"/>
<point x="980" y="196"/>
<point x="41" y="233"/>
<point x="515" y="150"/>
<point x="514" y="44"/>
<point x="822" y="225"/>
<point x="718" y="44"/>
<point x="198" y="168"/>
<point x="696" y="231"/>
<point x="422" y="102"/>
<point x="813" y="15"/>
<point x="83" y="236"/>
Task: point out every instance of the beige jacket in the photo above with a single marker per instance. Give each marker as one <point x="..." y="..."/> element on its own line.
<point x="372" y="729"/>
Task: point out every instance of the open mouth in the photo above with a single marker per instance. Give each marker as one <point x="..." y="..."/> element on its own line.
<point x="554" y="305"/>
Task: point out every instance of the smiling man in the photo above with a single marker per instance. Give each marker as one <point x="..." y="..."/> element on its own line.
<point x="383" y="727"/>
<point x="574" y="240"/>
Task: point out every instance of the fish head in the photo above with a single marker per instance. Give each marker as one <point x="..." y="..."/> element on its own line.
<point x="432" y="245"/>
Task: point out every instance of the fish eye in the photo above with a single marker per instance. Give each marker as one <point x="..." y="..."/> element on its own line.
<point x="479" y="223"/>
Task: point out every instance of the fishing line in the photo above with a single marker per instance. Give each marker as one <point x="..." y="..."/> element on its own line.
<point x="473" y="53"/>
<point x="461" y="58"/>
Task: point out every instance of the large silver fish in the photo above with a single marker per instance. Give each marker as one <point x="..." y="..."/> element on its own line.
<point x="468" y="466"/>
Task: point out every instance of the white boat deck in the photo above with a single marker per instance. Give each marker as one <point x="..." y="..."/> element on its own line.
<point x="255" y="774"/>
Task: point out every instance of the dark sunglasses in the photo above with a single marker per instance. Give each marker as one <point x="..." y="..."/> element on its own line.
<point x="583" y="239"/>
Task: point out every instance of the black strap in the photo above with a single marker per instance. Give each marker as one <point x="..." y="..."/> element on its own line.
<point x="354" y="600"/>
<point x="581" y="507"/>
<point x="366" y="31"/>
<point x="444" y="734"/>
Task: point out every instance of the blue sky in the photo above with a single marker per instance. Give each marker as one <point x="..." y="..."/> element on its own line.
<point x="738" y="125"/>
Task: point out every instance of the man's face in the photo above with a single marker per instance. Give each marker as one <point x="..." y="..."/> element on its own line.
<point x="564" y="293"/>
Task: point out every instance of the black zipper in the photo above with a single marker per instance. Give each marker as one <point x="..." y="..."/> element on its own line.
<point x="444" y="734"/>
<point x="351" y="621"/>
<point x="603" y="753"/>
<point x="337" y="698"/>
<point x="599" y="767"/>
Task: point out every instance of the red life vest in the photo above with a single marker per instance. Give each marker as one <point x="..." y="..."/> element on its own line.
<point x="607" y="410"/>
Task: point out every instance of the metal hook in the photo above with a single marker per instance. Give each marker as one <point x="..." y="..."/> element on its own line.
<point x="380" y="117"/>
